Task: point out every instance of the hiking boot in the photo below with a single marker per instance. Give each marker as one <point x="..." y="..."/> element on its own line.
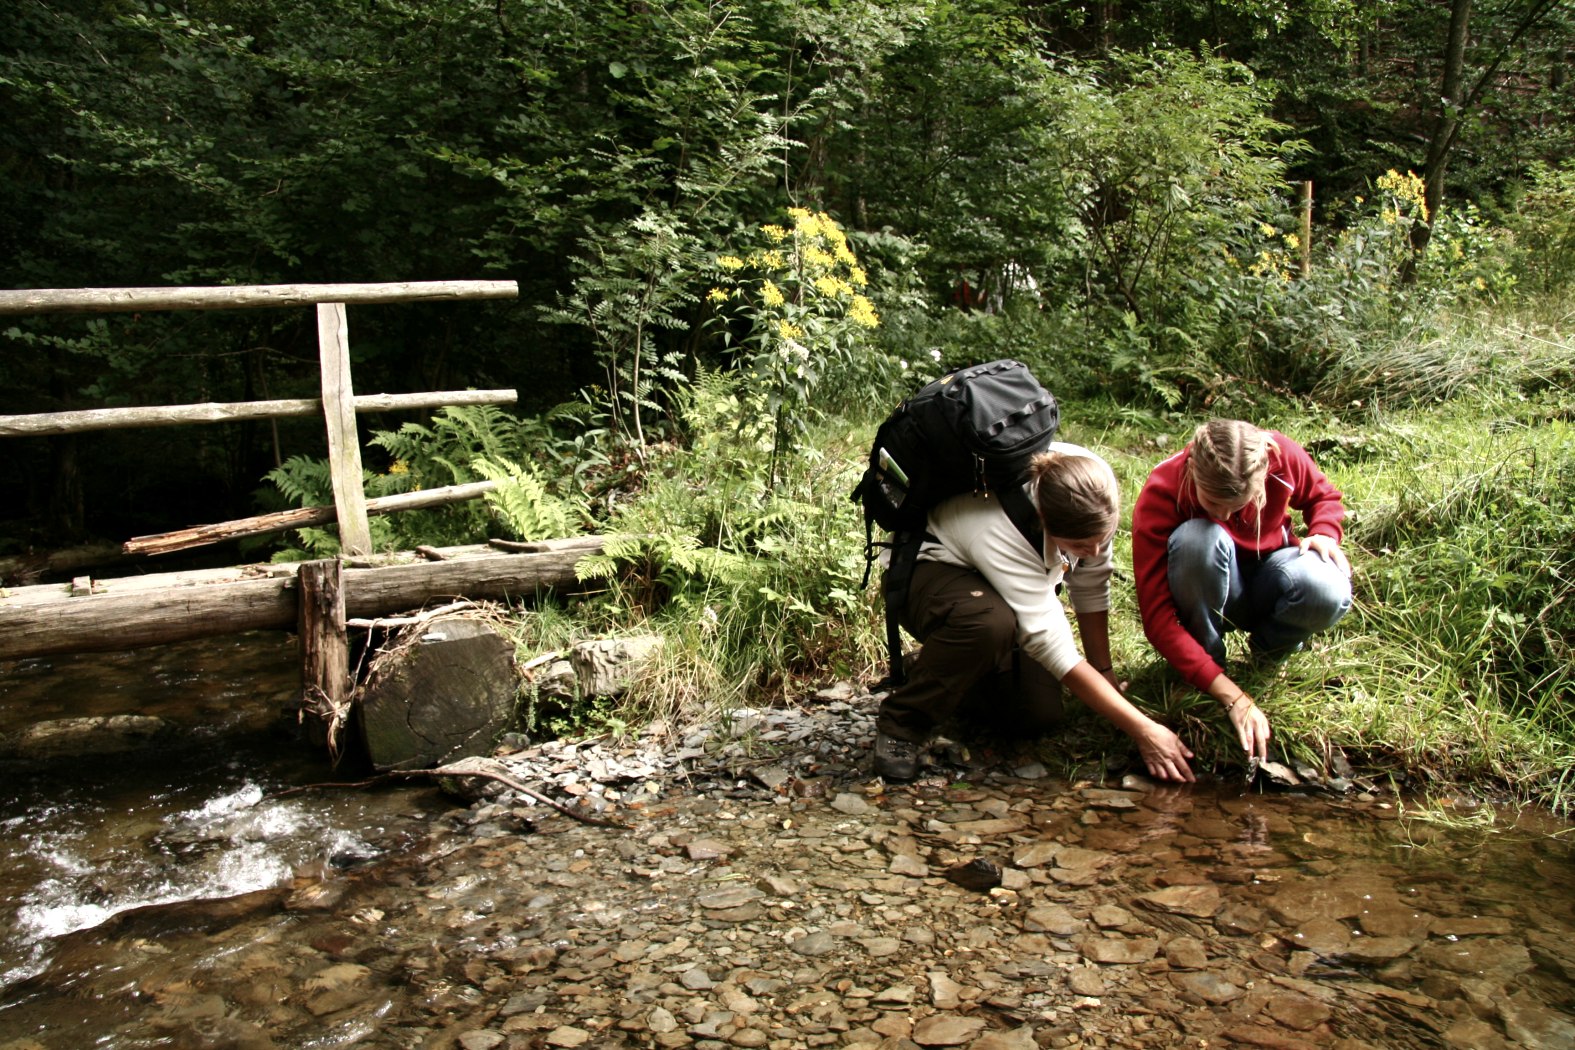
<point x="896" y="759"/>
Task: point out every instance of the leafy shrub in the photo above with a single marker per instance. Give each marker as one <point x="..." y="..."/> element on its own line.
<point x="633" y="283"/>
<point x="1543" y="225"/>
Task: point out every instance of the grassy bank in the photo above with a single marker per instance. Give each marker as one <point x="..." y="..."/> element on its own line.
<point x="1454" y="672"/>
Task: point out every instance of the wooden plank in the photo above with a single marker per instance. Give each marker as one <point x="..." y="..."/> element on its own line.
<point x="43" y="423"/>
<point x="244" y="296"/>
<point x="299" y="518"/>
<point x="143" y="611"/>
<point x="344" y="443"/>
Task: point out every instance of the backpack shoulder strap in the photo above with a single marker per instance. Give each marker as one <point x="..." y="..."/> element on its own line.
<point x="1021" y="510"/>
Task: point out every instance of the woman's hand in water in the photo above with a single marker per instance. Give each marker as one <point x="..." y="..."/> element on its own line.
<point x="1164" y="754"/>
<point x="1252" y="726"/>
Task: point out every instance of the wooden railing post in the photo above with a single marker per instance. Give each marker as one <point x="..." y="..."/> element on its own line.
<point x="344" y="444"/>
<point x="325" y="649"/>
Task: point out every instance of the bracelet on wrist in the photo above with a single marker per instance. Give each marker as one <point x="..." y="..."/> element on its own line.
<point x="1102" y="670"/>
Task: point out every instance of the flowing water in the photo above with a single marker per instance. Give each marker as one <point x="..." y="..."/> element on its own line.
<point x="175" y="897"/>
<point x="187" y="815"/>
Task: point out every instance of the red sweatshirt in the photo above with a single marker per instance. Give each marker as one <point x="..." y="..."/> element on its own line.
<point x="1294" y="481"/>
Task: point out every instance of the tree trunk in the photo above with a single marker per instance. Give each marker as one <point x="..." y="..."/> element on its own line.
<point x="1446" y="127"/>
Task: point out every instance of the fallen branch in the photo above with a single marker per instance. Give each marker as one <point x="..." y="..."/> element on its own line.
<point x="408" y="621"/>
<point x="486" y="768"/>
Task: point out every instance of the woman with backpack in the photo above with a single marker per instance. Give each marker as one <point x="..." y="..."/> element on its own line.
<point x="996" y="639"/>
<point x="1214" y="550"/>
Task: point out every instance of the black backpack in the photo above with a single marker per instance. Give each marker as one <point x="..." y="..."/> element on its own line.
<point x="972" y="430"/>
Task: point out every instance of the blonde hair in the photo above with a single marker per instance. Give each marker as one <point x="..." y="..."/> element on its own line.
<point x="1229" y="462"/>
<point x="1077" y="496"/>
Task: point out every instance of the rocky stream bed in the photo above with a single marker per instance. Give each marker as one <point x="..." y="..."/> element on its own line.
<point x="765" y="890"/>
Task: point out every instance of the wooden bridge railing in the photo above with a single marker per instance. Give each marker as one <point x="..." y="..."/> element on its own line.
<point x="338" y="404"/>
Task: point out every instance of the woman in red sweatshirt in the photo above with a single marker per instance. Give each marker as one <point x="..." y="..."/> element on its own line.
<point x="1213" y="550"/>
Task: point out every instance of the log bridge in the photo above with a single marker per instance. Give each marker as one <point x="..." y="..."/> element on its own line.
<point x="315" y="598"/>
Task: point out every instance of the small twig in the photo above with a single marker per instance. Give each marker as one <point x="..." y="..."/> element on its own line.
<point x="544" y="658"/>
<point x="515" y="546"/>
<point x="406" y="621"/>
<point x="469" y="767"/>
<point x="431" y="553"/>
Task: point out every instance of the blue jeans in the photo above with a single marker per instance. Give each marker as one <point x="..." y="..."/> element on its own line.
<point x="1280" y="600"/>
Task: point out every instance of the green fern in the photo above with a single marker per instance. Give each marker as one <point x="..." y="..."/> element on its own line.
<point x="522" y="503"/>
<point x="304" y="482"/>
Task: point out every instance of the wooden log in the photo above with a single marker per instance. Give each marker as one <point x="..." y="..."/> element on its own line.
<point x="18" y="569"/>
<point x="110" y="622"/>
<point x="155" y="610"/>
<point x="299" y="518"/>
<point x="325" y="650"/>
<point x="44" y="423"/>
<point x="344" y="443"/>
<point x="371" y="592"/>
<point x="244" y="296"/>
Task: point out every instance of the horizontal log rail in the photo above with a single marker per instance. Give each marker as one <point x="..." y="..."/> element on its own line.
<point x="47" y="619"/>
<point x="39" y="424"/>
<point x="299" y="518"/>
<point x="244" y="296"/>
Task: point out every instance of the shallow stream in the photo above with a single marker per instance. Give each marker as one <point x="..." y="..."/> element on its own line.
<point x="770" y="896"/>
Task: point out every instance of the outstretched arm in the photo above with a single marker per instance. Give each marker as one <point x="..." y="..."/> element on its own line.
<point x="1093" y="630"/>
<point x="1252" y="725"/>
<point x="1163" y="752"/>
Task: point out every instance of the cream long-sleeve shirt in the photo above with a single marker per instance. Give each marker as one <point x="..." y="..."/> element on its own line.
<point x="974" y="532"/>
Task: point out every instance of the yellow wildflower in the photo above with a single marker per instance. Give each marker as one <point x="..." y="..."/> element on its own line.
<point x="773" y="259"/>
<point x="770" y="294"/>
<point x="819" y="257"/>
<point x="776" y="233"/>
<point x="862" y="312"/>
<point x="716" y="295"/>
<point x="857" y="275"/>
<point x="730" y="262"/>
<point x="1292" y="241"/>
<point x="835" y="287"/>
<point x="788" y="330"/>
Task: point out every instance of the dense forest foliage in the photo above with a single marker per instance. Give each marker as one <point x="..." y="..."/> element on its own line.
<point x="741" y="231"/>
<point x="1120" y="180"/>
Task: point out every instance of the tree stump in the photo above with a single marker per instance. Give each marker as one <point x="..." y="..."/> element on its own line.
<point x="444" y="690"/>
